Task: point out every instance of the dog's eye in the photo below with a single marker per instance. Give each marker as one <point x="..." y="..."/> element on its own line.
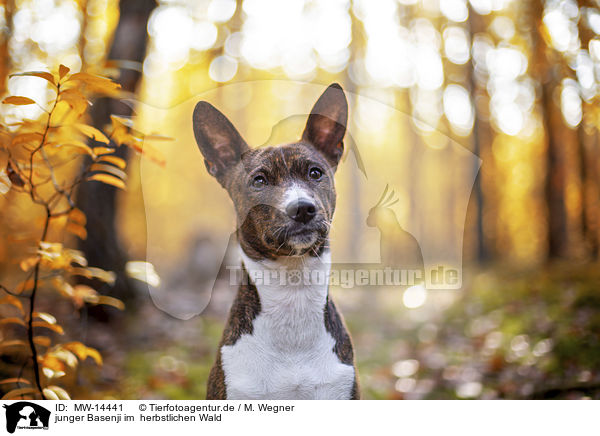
<point x="315" y="173"/>
<point x="259" y="181"/>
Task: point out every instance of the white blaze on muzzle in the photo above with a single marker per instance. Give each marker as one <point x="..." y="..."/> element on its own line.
<point x="294" y="194"/>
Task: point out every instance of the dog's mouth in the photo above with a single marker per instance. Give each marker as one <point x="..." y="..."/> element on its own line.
<point x="266" y="232"/>
<point x="297" y="239"/>
<point x="302" y="239"/>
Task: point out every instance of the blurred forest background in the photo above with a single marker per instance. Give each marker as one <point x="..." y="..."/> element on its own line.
<point x="515" y="83"/>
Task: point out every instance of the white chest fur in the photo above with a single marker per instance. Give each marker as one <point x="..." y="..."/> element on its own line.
<point x="289" y="354"/>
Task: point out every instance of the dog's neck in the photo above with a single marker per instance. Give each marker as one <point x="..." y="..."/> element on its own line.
<point x="292" y="305"/>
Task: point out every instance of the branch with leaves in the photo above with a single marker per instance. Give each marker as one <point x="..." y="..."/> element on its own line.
<point x="39" y="159"/>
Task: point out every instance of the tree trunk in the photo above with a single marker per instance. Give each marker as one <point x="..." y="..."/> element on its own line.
<point x="5" y="63"/>
<point x="545" y="70"/>
<point x="555" y="178"/>
<point x="587" y="160"/>
<point x="484" y="225"/>
<point x="98" y="200"/>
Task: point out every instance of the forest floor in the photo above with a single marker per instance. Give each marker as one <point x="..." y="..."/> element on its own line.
<point x="507" y="335"/>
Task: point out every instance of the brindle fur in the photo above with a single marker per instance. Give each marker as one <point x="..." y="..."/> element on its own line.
<point x="263" y="228"/>
<point x="245" y="308"/>
<point x="334" y="324"/>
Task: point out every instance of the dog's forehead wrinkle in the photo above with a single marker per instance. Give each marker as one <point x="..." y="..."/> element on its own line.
<point x="283" y="160"/>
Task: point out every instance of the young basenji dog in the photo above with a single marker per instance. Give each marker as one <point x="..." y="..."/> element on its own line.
<point x="284" y="338"/>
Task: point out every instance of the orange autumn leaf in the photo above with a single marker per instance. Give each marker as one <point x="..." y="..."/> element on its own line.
<point x="97" y="83"/>
<point x="18" y="100"/>
<point x="15" y="380"/>
<point x="57" y="391"/>
<point x="13" y="301"/>
<point x="12" y="320"/>
<point x="16" y="393"/>
<point x="49" y="395"/>
<point x="24" y="138"/>
<point x="117" y="172"/>
<point x="117" y="161"/>
<point x="44" y="341"/>
<point x="83" y="294"/>
<point x="45" y="317"/>
<point x="95" y="273"/>
<point x="82" y="351"/>
<point x="54" y="327"/>
<point x="108" y="179"/>
<point x="28" y="263"/>
<point x="79" y="146"/>
<point x="65" y="356"/>
<point x="75" y="99"/>
<point x="103" y="150"/>
<point x="77" y="230"/>
<point x="110" y="301"/>
<point x="77" y="216"/>
<point x="12" y="343"/>
<point x="52" y="362"/>
<point x="63" y="71"/>
<point x="42" y="74"/>
<point x="23" y="286"/>
<point x="92" y="132"/>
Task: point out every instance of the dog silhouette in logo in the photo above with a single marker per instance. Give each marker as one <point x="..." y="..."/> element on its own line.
<point x="26" y="414"/>
<point x="398" y="248"/>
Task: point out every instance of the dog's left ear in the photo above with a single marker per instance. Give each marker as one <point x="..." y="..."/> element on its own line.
<point x="326" y="124"/>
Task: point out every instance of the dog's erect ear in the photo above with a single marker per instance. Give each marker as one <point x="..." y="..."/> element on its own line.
<point x="326" y="124"/>
<point x="220" y="143"/>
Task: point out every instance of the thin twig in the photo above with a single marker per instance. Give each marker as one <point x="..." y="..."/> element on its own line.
<point x="5" y="289"/>
<point x="55" y="182"/>
<point x="42" y="142"/>
<point x="34" y="354"/>
<point x="36" y="272"/>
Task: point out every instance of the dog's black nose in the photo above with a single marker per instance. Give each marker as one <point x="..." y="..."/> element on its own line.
<point x="302" y="211"/>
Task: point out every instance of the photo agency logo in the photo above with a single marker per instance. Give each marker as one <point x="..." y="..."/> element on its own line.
<point x="400" y="199"/>
<point x="347" y="278"/>
<point x="24" y="415"/>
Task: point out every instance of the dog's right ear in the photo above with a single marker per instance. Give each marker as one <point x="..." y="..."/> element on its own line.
<point x="220" y="143"/>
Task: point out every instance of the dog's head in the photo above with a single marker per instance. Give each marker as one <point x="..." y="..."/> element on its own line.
<point x="284" y="195"/>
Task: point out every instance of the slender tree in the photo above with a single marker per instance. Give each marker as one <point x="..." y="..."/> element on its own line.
<point x="99" y="201"/>
<point x="587" y="156"/>
<point x="4" y="40"/>
<point x="545" y="68"/>
<point x="483" y="228"/>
